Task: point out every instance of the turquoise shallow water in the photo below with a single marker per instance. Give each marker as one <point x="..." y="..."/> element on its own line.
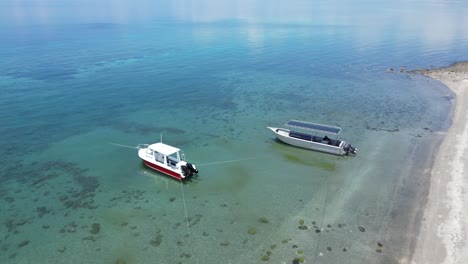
<point x="210" y="82"/>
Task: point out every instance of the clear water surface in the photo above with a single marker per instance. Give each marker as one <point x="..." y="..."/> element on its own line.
<point x="210" y="76"/>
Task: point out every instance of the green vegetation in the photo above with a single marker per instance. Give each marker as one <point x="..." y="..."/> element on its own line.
<point x="300" y="259"/>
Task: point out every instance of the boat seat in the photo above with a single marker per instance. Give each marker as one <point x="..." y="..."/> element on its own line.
<point x="300" y="135"/>
<point x="316" y="139"/>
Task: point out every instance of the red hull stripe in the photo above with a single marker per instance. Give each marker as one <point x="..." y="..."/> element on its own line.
<point x="163" y="170"/>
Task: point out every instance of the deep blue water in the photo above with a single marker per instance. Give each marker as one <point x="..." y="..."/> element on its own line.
<point x="210" y="76"/>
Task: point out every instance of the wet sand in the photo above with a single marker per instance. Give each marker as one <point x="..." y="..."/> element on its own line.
<point x="443" y="234"/>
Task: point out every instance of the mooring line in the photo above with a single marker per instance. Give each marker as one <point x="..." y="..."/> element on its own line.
<point x="322" y="216"/>
<point x="186" y="216"/>
<point x="226" y="161"/>
<point x="185" y="206"/>
<point x="119" y="145"/>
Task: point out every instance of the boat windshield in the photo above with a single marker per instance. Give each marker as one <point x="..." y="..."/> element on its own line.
<point x="314" y="127"/>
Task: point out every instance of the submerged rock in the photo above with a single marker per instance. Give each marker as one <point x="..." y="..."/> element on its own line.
<point x="62" y="249"/>
<point x="90" y="237"/>
<point x="156" y="241"/>
<point x="361" y="228"/>
<point x="23" y="243"/>
<point x="95" y="228"/>
<point x="298" y="260"/>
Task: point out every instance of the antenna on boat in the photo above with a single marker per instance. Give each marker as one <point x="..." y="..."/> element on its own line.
<point x="161" y="137"/>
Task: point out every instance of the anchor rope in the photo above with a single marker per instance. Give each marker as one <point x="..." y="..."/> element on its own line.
<point x="226" y="161"/>
<point x="186" y="215"/>
<point x="185" y="206"/>
<point x="202" y="164"/>
<point x="119" y="145"/>
<point x="322" y="217"/>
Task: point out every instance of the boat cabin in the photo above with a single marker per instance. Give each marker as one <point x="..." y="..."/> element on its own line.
<point x="164" y="154"/>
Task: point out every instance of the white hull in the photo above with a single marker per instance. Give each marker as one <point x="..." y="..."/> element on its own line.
<point x="283" y="135"/>
<point x="149" y="161"/>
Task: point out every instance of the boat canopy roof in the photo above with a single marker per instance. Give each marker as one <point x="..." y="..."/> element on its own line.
<point x="314" y="127"/>
<point x="163" y="148"/>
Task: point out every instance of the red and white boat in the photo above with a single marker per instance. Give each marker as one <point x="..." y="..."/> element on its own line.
<point x="166" y="159"/>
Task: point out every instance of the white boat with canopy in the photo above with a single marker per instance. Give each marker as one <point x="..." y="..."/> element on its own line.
<point x="299" y="135"/>
<point x="166" y="159"/>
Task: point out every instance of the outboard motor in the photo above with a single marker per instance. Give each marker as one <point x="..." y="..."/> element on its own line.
<point x="192" y="168"/>
<point x="186" y="171"/>
<point x="350" y="149"/>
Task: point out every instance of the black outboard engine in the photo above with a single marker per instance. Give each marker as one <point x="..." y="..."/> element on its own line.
<point x="186" y="171"/>
<point x="189" y="169"/>
<point x="192" y="168"/>
<point x="350" y="149"/>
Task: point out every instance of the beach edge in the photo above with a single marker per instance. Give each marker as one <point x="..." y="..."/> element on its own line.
<point x="443" y="232"/>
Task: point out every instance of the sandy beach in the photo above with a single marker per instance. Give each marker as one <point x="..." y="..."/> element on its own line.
<point x="444" y="230"/>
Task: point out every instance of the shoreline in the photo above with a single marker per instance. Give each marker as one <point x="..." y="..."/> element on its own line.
<point x="443" y="232"/>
